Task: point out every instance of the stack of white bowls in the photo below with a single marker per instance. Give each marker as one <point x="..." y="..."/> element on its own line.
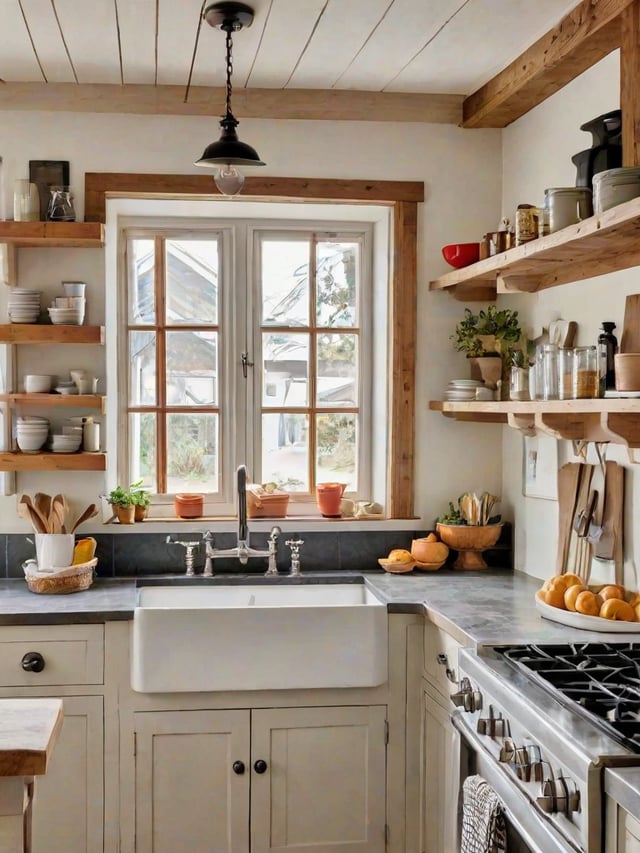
<point x="65" y="442"/>
<point x="24" y="305"/>
<point x="615" y="186"/>
<point x="68" y="311"/>
<point x="31" y="433"/>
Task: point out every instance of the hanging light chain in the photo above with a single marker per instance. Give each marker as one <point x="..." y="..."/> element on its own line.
<point x="229" y="45"/>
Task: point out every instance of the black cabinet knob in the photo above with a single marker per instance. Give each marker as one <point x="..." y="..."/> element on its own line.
<point x="238" y="767"/>
<point x="260" y="766"/>
<point x="33" y="662"/>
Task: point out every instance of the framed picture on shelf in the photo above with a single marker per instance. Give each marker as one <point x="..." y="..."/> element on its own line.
<point x="45" y="174"/>
<point x="540" y="467"/>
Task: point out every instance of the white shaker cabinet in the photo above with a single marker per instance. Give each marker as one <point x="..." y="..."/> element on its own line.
<point x="302" y="780"/>
<point x="439" y="772"/>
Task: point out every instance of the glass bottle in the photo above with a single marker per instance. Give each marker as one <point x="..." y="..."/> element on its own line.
<point x="608" y="347"/>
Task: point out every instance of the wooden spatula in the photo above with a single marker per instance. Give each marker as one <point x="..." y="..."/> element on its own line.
<point x="630" y="340"/>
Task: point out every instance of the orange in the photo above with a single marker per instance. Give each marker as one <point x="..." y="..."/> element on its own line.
<point x="588" y="602"/>
<point x="571" y="595"/>
<point x="615" y="608"/>
<point x="637" y="611"/>
<point x="634" y="599"/>
<point x="555" y="597"/>
<point x="572" y="580"/>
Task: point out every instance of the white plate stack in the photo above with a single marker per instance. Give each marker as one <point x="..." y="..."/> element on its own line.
<point x="24" y="305"/>
<point x="31" y="433"/>
<point x="65" y="443"/>
<point x="461" y="390"/>
<point x="615" y="186"/>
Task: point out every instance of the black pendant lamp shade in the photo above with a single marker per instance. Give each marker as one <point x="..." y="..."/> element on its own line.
<point x="229" y="151"/>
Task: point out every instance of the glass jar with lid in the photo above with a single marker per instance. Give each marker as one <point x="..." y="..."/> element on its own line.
<point x="586" y="374"/>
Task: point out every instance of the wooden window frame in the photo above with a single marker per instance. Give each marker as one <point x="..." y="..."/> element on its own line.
<point x="402" y="197"/>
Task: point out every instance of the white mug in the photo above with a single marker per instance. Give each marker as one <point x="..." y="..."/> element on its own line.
<point x="54" y="550"/>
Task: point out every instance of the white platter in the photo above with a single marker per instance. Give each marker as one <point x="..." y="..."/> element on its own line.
<point x="587" y="623"/>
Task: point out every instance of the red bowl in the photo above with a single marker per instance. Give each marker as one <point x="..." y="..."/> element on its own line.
<point x="461" y="254"/>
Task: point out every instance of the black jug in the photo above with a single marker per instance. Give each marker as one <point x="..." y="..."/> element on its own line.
<point x="606" y="150"/>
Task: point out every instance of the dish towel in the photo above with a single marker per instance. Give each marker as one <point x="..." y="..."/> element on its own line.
<point x="483" y="824"/>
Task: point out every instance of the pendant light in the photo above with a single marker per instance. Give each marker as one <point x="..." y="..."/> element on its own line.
<point x="228" y="152"/>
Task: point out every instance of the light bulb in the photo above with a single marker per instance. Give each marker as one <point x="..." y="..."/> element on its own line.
<point x="229" y="180"/>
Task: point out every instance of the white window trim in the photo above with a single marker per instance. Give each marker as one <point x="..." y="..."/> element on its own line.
<point x="122" y="213"/>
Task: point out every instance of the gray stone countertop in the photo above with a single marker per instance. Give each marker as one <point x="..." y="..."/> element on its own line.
<point x="477" y="608"/>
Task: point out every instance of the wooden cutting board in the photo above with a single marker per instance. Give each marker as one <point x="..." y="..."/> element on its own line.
<point x="630" y="340"/>
<point x="568" y="485"/>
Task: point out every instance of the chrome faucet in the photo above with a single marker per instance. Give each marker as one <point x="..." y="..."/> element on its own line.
<point x="243" y="550"/>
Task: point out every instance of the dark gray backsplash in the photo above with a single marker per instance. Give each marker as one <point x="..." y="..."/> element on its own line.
<point x="148" y="553"/>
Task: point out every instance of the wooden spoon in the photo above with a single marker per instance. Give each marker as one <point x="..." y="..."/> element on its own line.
<point x="58" y="513"/>
<point x="42" y="503"/>
<point x="38" y="523"/>
<point x="90" y="512"/>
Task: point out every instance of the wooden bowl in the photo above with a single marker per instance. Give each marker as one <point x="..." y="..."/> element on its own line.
<point x="395" y="567"/>
<point x="469" y="541"/>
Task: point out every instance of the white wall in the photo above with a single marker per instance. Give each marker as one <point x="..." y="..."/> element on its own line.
<point x="461" y="173"/>
<point x="537" y="153"/>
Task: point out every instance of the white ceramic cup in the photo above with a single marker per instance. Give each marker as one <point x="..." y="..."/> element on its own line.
<point x="54" y="550"/>
<point x="91" y="437"/>
<point x="73" y="288"/>
<point x="85" y="384"/>
<point x="78" y="374"/>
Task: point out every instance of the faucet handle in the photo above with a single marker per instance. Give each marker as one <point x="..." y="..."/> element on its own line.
<point x="190" y="550"/>
<point x="294" y="544"/>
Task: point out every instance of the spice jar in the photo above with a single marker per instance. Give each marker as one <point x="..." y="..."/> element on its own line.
<point x="526" y="223"/>
<point x="585" y="373"/>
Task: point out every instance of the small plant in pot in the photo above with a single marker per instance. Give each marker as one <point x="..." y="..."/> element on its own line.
<point x="123" y="504"/>
<point x="141" y="500"/>
<point x="487" y="339"/>
<point x="470" y="529"/>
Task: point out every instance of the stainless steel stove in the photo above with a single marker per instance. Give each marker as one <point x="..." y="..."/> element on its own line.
<point x="540" y="723"/>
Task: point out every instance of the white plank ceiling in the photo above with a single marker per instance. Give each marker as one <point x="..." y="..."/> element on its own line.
<point x="412" y="46"/>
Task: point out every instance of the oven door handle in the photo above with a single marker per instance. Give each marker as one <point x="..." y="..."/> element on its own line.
<point x="531" y="824"/>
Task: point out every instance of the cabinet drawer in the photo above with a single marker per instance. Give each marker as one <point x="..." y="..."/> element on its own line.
<point x="72" y="654"/>
<point x="437" y="643"/>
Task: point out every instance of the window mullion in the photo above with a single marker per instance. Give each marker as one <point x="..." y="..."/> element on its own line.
<point x="161" y="395"/>
<point x="313" y="361"/>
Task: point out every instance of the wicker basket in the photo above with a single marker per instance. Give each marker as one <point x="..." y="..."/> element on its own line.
<point x="73" y="579"/>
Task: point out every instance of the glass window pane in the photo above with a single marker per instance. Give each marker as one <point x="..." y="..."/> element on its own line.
<point x="142" y="367"/>
<point x="286" y="370"/>
<point x="192" y="453"/>
<point x="142" y="297"/>
<point x="142" y="449"/>
<point x="285" y="451"/>
<point x="285" y="282"/>
<point x="192" y="368"/>
<point x="336" y="279"/>
<point x="336" y="448"/>
<point x="192" y="281"/>
<point x="337" y="370"/>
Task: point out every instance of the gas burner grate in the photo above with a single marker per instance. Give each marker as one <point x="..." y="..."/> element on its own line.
<point x="600" y="680"/>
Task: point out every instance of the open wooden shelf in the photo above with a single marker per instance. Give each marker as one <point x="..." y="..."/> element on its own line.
<point x="85" y="401"/>
<point x="43" y="461"/>
<point x="610" y="419"/>
<point x="78" y="235"/>
<point x="41" y="333"/>
<point x="601" y="244"/>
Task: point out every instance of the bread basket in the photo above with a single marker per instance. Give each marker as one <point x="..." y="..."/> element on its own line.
<point x="73" y="579"/>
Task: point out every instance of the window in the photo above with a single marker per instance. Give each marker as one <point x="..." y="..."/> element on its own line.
<point x="247" y="343"/>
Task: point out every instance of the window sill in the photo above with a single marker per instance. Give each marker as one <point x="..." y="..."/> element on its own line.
<point x="308" y="523"/>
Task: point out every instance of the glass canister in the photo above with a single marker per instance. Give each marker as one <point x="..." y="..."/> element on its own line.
<point x="586" y="374"/>
<point x="547" y="372"/>
<point x="565" y="373"/>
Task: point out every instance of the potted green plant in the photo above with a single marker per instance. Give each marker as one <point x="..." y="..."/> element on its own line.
<point x="141" y="500"/>
<point x="488" y="338"/>
<point x="123" y="504"/>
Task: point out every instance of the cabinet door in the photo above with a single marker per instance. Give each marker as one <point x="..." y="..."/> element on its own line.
<point x="188" y="796"/>
<point x="323" y="789"/>
<point x="439" y="779"/>
<point x="68" y="803"/>
<point x="631" y="836"/>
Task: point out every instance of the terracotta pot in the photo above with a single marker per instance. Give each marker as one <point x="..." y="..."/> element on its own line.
<point x="188" y="506"/>
<point x="329" y="497"/>
<point x="469" y="541"/>
<point x="488" y="368"/>
<point x="140" y="513"/>
<point x="126" y="514"/>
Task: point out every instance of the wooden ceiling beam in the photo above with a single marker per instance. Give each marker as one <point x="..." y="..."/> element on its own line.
<point x="313" y="104"/>
<point x="583" y="37"/>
